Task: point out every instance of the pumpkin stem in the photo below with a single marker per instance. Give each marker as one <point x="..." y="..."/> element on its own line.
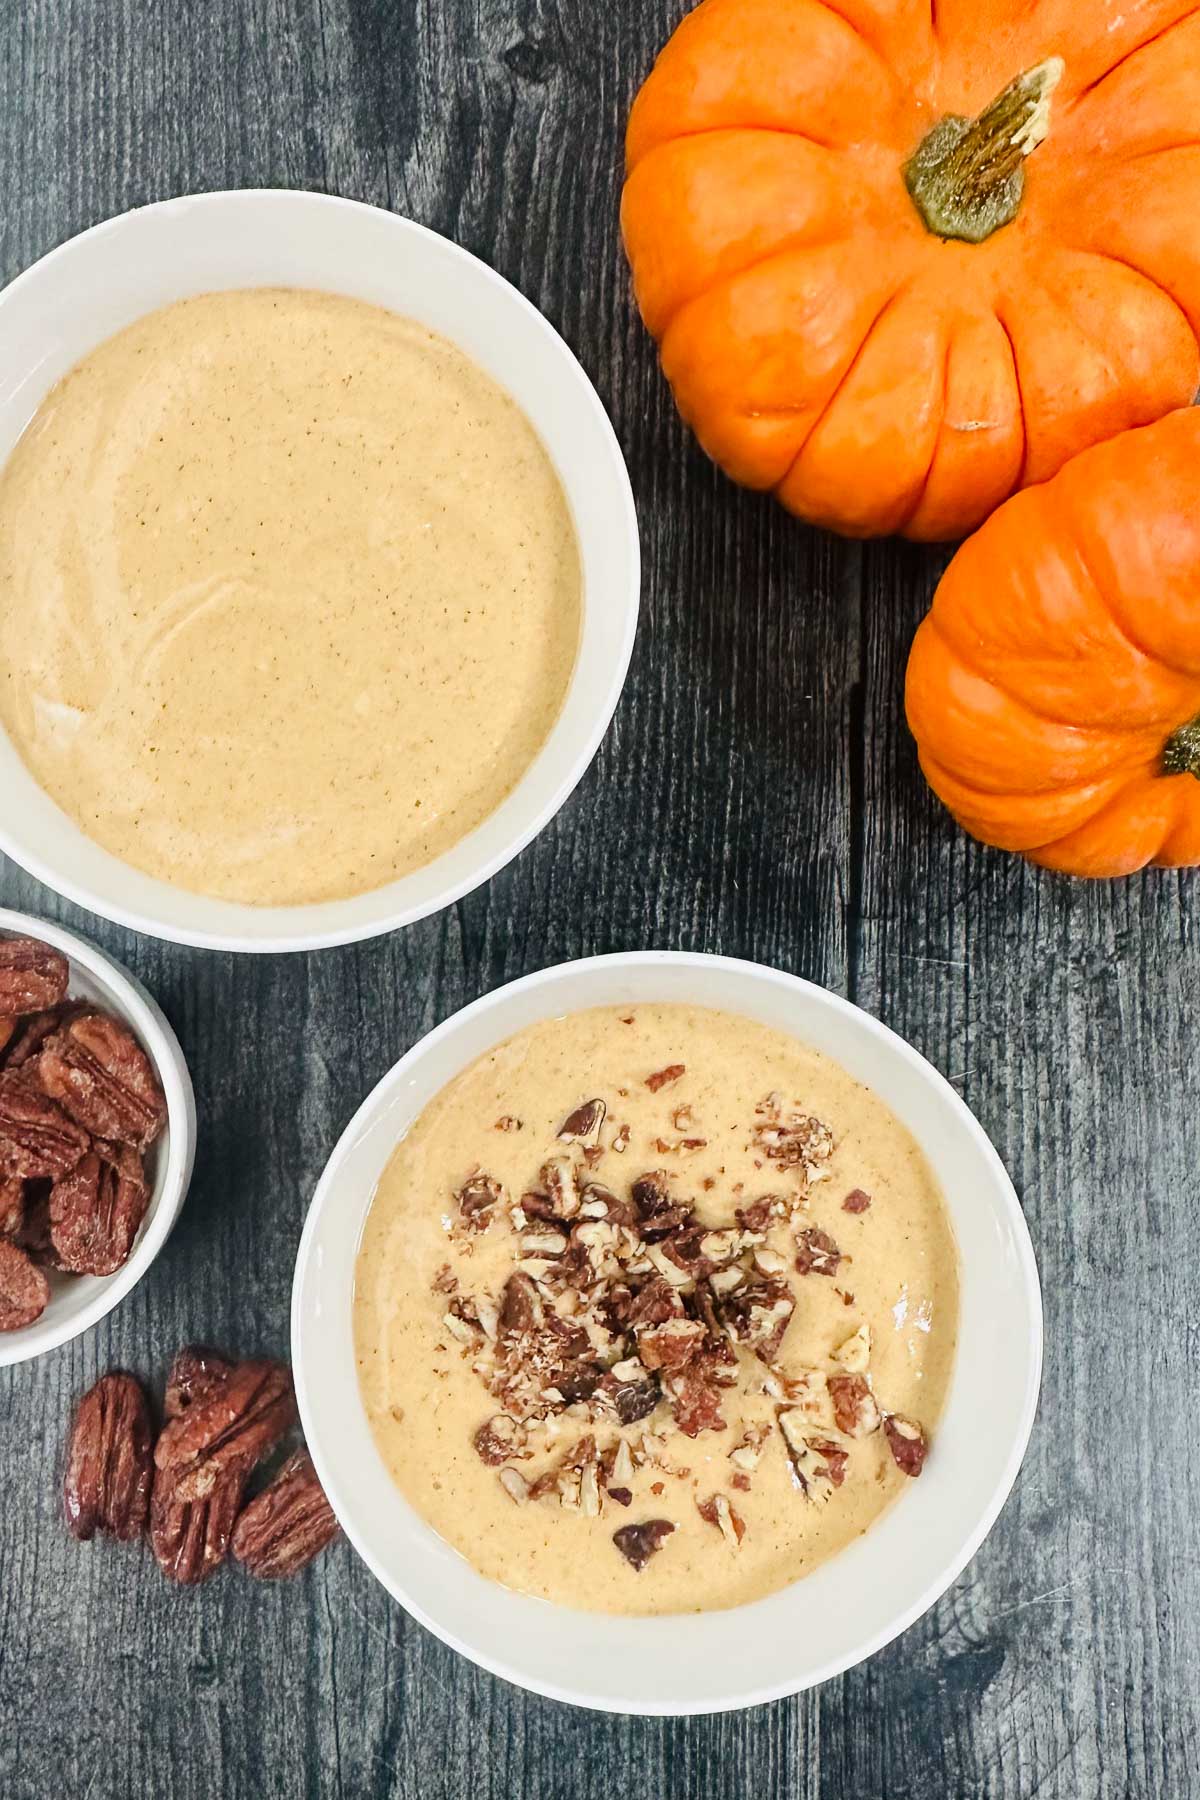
<point x="1182" y="754"/>
<point x="967" y="176"/>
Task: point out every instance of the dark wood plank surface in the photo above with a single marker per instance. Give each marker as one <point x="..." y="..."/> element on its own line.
<point x="758" y="795"/>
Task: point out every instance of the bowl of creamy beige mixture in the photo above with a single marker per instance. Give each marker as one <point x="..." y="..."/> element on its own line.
<point x="667" y="1333"/>
<point x="319" y="570"/>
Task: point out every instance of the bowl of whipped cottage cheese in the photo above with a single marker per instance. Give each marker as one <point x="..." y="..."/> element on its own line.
<point x="319" y="570"/>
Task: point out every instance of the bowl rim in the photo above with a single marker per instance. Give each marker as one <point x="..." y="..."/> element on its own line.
<point x="135" y="918"/>
<point x="949" y="1571"/>
<point x="142" y="1011"/>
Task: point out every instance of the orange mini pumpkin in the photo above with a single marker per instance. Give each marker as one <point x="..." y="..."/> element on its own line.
<point x="1054" y="689"/>
<point x="905" y="258"/>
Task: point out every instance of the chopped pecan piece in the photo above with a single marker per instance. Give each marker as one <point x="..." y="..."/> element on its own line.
<point x="816" y="1252"/>
<point x="833" y="1457"/>
<point x="508" y="1123"/>
<point x="638" y="1543"/>
<point x="287" y="1526"/>
<point x="36" y="1136"/>
<point x="622" y="1495"/>
<point x="856" y="1201"/>
<point x="672" y="1345"/>
<point x="854" y="1408"/>
<point x="32" y="976"/>
<point x="907" y="1442"/>
<point x="792" y="1139"/>
<point x="658" y="1212"/>
<point x="99" y="1073"/>
<point x="24" y="1290"/>
<point x="695" y="1396"/>
<point x="759" y="1313"/>
<point x="664" y="1077"/>
<point x="521" y="1306"/>
<point x="477" y="1200"/>
<point x="109" y="1461"/>
<point x="197" y="1374"/>
<point x="632" y="1400"/>
<point x="810" y="1459"/>
<point x="515" y="1486"/>
<point x="654" y="1303"/>
<point x="855" y="1353"/>
<point x="96" y="1211"/>
<point x="583" y="1123"/>
<point x="757" y="1216"/>
<point x="717" y="1511"/>
<point x="497" y="1440"/>
<point x="12" y="1206"/>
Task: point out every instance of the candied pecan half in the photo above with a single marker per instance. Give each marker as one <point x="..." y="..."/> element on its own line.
<point x="638" y="1543"/>
<point x="203" y="1460"/>
<point x="477" y="1200"/>
<point x="32" y="976"/>
<point x="907" y="1442"/>
<point x="98" y="1071"/>
<point x="816" y="1252"/>
<point x="664" y="1077"/>
<point x="235" y="1427"/>
<point x="12" y="1206"/>
<point x="24" y="1290"/>
<point x="110" y="1464"/>
<point x="189" y="1539"/>
<point x="31" y="1033"/>
<point x="36" y="1136"/>
<point x="854" y="1409"/>
<point x="856" y="1201"/>
<point x="287" y="1526"/>
<point x="672" y="1345"/>
<point x="583" y="1123"/>
<point x="759" y="1313"/>
<point x="717" y="1511"/>
<point x="35" y="1232"/>
<point x="197" y="1374"/>
<point x="96" y="1211"/>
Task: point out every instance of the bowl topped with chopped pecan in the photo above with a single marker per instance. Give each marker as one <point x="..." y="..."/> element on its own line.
<point x="664" y="1288"/>
<point x="97" y="1134"/>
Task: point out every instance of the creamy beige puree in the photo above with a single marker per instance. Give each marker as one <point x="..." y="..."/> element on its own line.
<point x="531" y="1482"/>
<point x="289" y="595"/>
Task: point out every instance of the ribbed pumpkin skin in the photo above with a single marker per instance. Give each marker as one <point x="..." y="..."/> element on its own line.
<point x="1062" y="654"/>
<point x="820" y="341"/>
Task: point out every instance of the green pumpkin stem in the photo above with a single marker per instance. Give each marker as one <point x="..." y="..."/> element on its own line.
<point x="1182" y="754"/>
<point x="967" y="176"/>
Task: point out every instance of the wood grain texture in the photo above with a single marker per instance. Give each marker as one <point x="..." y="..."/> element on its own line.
<point x="758" y="795"/>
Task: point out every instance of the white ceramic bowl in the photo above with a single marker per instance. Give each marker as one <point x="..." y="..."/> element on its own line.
<point x="864" y="1597"/>
<point x="99" y="282"/>
<point x="77" y="1301"/>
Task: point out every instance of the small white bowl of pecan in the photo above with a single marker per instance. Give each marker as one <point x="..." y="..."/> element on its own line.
<point x="97" y="1135"/>
<point x="709" y="1651"/>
